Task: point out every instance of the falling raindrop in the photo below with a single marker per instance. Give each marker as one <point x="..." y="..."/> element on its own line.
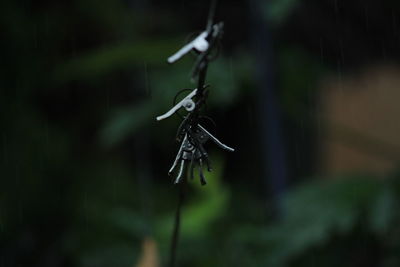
<point x="35" y="37"/>
<point x="108" y="99"/>
<point x="146" y="80"/>
<point x="339" y="75"/>
<point x="321" y="50"/>
<point x="384" y="50"/>
<point x="250" y="116"/>
<point x="232" y="77"/>
<point x="85" y="208"/>
<point x="341" y="52"/>
<point x="336" y="6"/>
<point x="5" y="149"/>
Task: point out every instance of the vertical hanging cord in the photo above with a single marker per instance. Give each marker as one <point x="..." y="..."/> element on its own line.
<point x="177" y="224"/>
<point x="211" y="14"/>
<point x="181" y="197"/>
<point x="203" y="71"/>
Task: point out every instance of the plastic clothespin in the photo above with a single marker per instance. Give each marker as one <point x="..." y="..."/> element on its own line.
<point x="186" y="103"/>
<point x="199" y="43"/>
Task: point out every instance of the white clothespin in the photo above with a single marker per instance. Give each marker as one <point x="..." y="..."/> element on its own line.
<point x="186" y="103"/>
<point x="199" y="43"/>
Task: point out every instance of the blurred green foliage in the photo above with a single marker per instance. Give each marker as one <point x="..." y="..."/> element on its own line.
<point x="81" y="85"/>
<point x="277" y="11"/>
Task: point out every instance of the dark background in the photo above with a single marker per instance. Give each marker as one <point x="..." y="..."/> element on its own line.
<point x="83" y="162"/>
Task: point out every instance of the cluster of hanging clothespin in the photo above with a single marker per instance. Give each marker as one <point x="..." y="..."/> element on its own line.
<point x="191" y="134"/>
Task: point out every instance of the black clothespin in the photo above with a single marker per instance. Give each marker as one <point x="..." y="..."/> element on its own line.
<point x="191" y="135"/>
<point x="192" y="144"/>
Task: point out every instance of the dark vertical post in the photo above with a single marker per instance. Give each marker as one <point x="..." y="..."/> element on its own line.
<point x="272" y="141"/>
